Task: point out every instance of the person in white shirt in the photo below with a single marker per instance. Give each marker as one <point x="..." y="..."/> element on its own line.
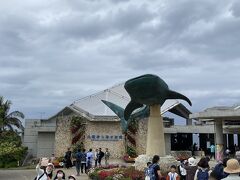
<point x="89" y="158"/>
<point x="172" y="175"/>
<point x="44" y="174"/>
<point x="96" y="157"/>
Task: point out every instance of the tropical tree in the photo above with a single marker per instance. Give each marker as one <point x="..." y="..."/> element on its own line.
<point x="9" y="120"/>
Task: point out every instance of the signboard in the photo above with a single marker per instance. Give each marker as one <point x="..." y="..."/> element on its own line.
<point x="98" y="137"/>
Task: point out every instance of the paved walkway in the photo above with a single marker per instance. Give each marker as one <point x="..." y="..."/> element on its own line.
<point x="31" y="174"/>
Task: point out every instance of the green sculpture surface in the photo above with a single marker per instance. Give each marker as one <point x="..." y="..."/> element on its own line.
<point x="119" y="111"/>
<point x="148" y="90"/>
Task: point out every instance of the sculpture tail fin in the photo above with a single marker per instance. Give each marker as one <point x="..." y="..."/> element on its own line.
<point x="176" y="95"/>
<point x="130" y="108"/>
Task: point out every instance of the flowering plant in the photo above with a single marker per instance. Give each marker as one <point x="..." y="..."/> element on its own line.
<point x="116" y="173"/>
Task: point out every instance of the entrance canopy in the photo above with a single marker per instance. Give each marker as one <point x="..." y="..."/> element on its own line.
<point x="228" y="114"/>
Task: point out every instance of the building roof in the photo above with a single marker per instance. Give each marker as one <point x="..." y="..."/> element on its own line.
<point x="221" y="112"/>
<point x="93" y="108"/>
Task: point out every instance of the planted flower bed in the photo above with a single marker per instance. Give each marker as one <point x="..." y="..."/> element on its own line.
<point x="115" y="172"/>
<point x="128" y="159"/>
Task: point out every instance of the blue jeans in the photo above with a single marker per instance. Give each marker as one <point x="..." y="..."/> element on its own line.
<point x="78" y="165"/>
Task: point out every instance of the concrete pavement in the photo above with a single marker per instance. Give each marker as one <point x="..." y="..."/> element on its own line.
<point x="31" y="174"/>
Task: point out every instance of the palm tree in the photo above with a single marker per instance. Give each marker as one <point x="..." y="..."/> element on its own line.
<point x="9" y="120"/>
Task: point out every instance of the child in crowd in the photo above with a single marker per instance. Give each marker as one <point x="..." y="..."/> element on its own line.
<point x="172" y="175"/>
<point x="72" y="177"/>
<point x="146" y="169"/>
<point x="60" y="175"/>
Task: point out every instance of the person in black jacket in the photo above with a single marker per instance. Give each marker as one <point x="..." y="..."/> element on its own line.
<point x="101" y="155"/>
<point x="67" y="157"/>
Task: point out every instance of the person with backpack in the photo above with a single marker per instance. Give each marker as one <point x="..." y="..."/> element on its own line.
<point x="203" y="171"/>
<point x="182" y="171"/>
<point x="84" y="161"/>
<point x="78" y="161"/>
<point x="218" y="169"/>
<point x="153" y="171"/>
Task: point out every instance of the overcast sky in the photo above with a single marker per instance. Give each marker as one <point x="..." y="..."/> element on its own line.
<point x="53" y="52"/>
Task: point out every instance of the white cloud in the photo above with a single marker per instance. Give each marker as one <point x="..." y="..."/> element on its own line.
<point x="52" y="52"/>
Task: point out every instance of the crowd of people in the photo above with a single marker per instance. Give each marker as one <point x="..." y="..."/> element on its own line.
<point x="228" y="169"/>
<point x="82" y="160"/>
<point x="190" y="169"/>
<point x="46" y="173"/>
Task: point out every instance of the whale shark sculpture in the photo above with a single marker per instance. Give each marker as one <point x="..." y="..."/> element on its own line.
<point x="148" y="90"/>
<point x="119" y="111"/>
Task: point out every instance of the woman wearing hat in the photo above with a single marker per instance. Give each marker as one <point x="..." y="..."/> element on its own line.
<point x="191" y="168"/>
<point x="233" y="169"/>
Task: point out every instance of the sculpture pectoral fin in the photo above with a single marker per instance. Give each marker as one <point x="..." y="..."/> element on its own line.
<point x="130" y="108"/>
<point x="119" y="111"/>
<point x="176" y="95"/>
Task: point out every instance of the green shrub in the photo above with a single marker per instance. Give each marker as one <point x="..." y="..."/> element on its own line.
<point x="11" y="154"/>
<point x="109" y="178"/>
<point x="10" y="136"/>
<point x="93" y="175"/>
<point x="131" y="151"/>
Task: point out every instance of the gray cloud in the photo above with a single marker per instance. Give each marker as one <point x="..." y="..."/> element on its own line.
<point x="52" y="53"/>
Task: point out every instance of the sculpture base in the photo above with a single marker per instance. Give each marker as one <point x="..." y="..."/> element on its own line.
<point x="155" y="133"/>
<point x="165" y="163"/>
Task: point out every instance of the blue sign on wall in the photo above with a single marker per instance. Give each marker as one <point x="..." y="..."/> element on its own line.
<point x="94" y="137"/>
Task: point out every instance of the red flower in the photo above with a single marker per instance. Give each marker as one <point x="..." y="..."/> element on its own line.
<point x="104" y="174"/>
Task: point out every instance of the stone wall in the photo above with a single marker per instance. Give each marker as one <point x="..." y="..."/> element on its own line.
<point x="141" y="136"/>
<point x="63" y="138"/>
<point x="102" y="128"/>
<point x="63" y="135"/>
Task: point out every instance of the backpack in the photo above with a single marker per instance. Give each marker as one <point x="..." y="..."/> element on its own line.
<point x="202" y="175"/>
<point x="84" y="157"/>
<point x="78" y="156"/>
<point x="219" y="171"/>
<point x="150" y="173"/>
<point x="180" y="170"/>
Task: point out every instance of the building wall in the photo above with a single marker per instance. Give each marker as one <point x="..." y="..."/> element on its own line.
<point x="63" y="135"/>
<point x="116" y="147"/>
<point x="32" y="129"/>
<point x="45" y="144"/>
<point x="31" y="135"/>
